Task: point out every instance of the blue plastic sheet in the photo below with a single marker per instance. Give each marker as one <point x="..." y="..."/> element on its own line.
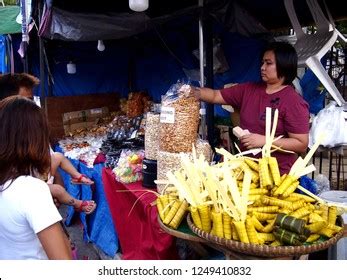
<point x="3" y="63"/>
<point x="101" y="229"/>
<point x="6" y="41"/>
<point x="309" y="184"/>
<point x="98" y="227"/>
<point x="156" y="64"/>
<point x="311" y="92"/>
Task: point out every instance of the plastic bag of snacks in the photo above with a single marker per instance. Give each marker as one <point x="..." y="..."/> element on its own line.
<point x="331" y="121"/>
<point x="204" y="148"/>
<point x="137" y="104"/>
<point x="166" y="162"/>
<point x="129" y="166"/>
<point x="172" y="161"/>
<point x="179" y="119"/>
<point x="152" y="136"/>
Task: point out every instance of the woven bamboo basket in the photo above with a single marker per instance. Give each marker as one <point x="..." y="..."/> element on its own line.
<point x="265" y="250"/>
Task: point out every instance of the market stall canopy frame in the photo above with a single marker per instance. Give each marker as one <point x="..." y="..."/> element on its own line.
<point x="75" y="20"/>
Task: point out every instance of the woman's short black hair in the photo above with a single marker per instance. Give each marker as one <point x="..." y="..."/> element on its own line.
<point x="12" y="82"/>
<point x="286" y="60"/>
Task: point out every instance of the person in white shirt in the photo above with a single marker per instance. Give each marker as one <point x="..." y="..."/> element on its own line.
<point x="22" y="84"/>
<point x="29" y="220"/>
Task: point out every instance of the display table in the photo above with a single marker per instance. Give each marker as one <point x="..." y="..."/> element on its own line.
<point x="135" y="218"/>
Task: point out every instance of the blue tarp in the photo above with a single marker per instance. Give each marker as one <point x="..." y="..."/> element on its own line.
<point x="243" y="55"/>
<point x="101" y="229"/>
<point x="310" y="85"/>
<point x="96" y="72"/>
<point x="98" y="227"/>
<point x="6" y="42"/>
<point x="153" y="62"/>
<point x="3" y="60"/>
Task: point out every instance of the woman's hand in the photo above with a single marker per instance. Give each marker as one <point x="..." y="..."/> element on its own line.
<point x="196" y="92"/>
<point x="253" y="140"/>
<point x="208" y="95"/>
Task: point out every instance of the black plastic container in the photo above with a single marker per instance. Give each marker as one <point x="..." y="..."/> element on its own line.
<point x="149" y="172"/>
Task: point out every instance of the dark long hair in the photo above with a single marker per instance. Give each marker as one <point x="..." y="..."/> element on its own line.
<point x="24" y="139"/>
<point x="286" y="60"/>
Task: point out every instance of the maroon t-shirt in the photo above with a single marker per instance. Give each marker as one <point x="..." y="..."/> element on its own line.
<point x="252" y="100"/>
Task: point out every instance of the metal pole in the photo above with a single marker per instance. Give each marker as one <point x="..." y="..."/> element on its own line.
<point x="25" y="36"/>
<point x="201" y="57"/>
<point x="42" y="60"/>
<point x="208" y="35"/>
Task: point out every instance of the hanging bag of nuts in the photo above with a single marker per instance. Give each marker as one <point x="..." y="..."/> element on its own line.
<point x="179" y="119"/>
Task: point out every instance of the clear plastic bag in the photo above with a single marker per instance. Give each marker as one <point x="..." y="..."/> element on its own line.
<point x="138" y="103"/>
<point x="323" y="184"/>
<point x="129" y="166"/>
<point x="329" y="122"/>
<point x="152" y="136"/>
<point x="167" y="162"/>
<point x="172" y="161"/>
<point x="179" y="119"/>
<point x="204" y="148"/>
<point x="220" y="63"/>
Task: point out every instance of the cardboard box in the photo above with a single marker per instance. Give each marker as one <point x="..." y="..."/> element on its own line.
<point x="56" y="106"/>
<point x="83" y="119"/>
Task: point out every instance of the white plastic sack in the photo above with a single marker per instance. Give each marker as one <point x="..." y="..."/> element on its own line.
<point x="331" y="123"/>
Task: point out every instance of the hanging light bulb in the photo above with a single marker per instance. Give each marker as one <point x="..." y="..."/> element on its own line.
<point x="138" y="5"/>
<point x="71" y="68"/>
<point x="101" y="46"/>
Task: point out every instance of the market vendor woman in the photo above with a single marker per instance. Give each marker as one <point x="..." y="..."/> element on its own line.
<point x="278" y="70"/>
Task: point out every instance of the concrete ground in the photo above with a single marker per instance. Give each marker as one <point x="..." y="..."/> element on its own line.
<point x="84" y="250"/>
